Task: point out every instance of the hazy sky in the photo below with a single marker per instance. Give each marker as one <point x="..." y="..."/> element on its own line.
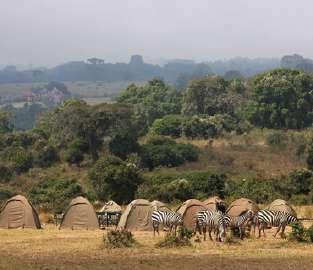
<point x="48" y="32"/>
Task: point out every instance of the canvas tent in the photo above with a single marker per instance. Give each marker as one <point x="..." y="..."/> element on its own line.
<point x="215" y="203"/>
<point x="282" y="205"/>
<point x="111" y="207"/>
<point x="80" y="214"/>
<point x="137" y="215"/>
<point x="237" y="207"/>
<point x="17" y="212"/>
<point x="188" y="211"/>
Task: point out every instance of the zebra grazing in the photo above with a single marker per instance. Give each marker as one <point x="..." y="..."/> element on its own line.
<point x="268" y="218"/>
<point x="240" y="222"/>
<point x="213" y="221"/>
<point x="168" y="219"/>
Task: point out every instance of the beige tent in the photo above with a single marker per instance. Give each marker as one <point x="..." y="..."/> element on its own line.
<point x="137" y="216"/>
<point x="188" y="210"/>
<point x="111" y="207"/>
<point x="241" y="205"/>
<point x="282" y="205"/>
<point x="80" y="215"/>
<point x="215" y="203"/>
<point x="17" y="212"/>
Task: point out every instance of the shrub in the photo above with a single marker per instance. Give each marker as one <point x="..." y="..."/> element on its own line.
<point x="259" y="190"/>
<point x="172" y="241"/>
<point x="179" y="186"/>
<point x="168" y="154"/>
<point x="22" y="160"/>
<point x="45" y="156"/>
<point x="298" y="233"/>
<point x="124" y="145"/>
<point x="55" y="194"/>
<point x="73" y="156"/>
<point x="5" y="173"/>
<point x="169" y="125"/>
<point x="6" y="193"/>
<point x="276" y="138"/>
<point x="199" y="127"/>
<point x="113" y="178"/>
<point x="310" y="233"/>
<point x="119" y="239"/>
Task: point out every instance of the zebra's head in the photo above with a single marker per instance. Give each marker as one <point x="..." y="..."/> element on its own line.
<point x="250" y="214"/>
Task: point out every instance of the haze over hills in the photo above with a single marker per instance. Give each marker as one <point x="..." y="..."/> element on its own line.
<point x="137" y="69"/>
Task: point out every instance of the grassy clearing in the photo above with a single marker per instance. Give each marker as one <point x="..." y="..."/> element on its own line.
<point x="250" y="154"/>
<point x="51" y="248"/>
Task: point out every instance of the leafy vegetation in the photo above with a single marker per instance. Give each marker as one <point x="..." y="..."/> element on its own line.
<point x="119" y="239"/>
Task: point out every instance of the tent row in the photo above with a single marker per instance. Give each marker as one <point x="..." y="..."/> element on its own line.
<point x="17" y="212"/>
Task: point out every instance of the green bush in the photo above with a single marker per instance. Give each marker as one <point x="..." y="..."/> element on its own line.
<point x="172" y="241"/>
<point x="167" y="153"/>
<point x="113" y="178"/>
<point x="298" y="233"/>
<point x="119" y="239"/>
<point x="21" y="159"/>
<point x="73" y="156"/>
<point x="310" y="233"/>
<point x="124" y="145"/>
<point x="179" y="186"/>
<point x="199" y="127"/>
<point x="6" y="173"/>
<point x="259" y="190"/>
<point x="45" y="156"/>
<point x="55" y="194"/>
<point x="6" y="193"/>
<point x="169" y="125"/>
<point x="276" y="138"/>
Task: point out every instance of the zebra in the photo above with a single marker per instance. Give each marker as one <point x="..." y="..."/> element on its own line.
<point x="269" y="218"/>
<point x="168" y="219"/>
<point x="239" y="222"/>
<point x="213" y="221"/>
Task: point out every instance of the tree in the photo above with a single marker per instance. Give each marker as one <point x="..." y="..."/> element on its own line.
<point x="210" y="95"/>
<point x="123" y="145"/>
<point x="282" y="98"/>
<point x="113" y="178"/>
<point x="78" y="120"/>
<point x="151" y="101"/>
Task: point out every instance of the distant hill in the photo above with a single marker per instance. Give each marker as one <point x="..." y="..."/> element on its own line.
<point x="95" y="69"/>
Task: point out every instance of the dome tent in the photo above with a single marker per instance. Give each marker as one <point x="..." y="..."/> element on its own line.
<point x="282" y="205"/>
<point x="137" y="215"/>
<point x="17" y="212"/>
<point x="239" y="206"/>
<point x="80" y="214"/>
<point x="111" y="207"/>
<point x="188" y="210"/>
<point x="215" y="203"/>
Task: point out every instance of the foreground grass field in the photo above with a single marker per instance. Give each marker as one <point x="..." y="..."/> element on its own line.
<point x="51" y="248"/>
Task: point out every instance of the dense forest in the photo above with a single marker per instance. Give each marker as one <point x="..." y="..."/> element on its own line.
<point x="145" y="144"/>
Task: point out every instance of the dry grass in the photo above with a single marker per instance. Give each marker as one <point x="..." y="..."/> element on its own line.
<point x="248" y="154"/>
<point x="51" y="248"/>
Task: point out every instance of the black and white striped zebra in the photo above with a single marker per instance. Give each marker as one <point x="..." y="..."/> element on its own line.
<point x="211" y="220"/>
<point x="168" y="219"/>
<point x="240" y="222"/>
<point x="279" y="219"/>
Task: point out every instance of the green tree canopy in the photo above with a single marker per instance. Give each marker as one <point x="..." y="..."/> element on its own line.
<point x="282" y="98"/>
<point x="151" y="101"/>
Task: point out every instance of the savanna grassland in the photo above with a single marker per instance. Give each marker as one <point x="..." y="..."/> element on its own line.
<point x="51" y="248"/>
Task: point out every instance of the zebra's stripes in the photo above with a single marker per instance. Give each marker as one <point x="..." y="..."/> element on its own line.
<point x="240" y="222"/>
<point x="170" y="220"/>
<point x="213" y="221"/>
<point x="268" y="218"/>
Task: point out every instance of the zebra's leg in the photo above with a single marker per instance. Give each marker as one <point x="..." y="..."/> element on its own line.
<point x="210" y="231"/>
<point x="283" y="227"/>
<point x="240" y="232"/>
<point x="277" y="231"/>
<point x="204" y="232"/>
